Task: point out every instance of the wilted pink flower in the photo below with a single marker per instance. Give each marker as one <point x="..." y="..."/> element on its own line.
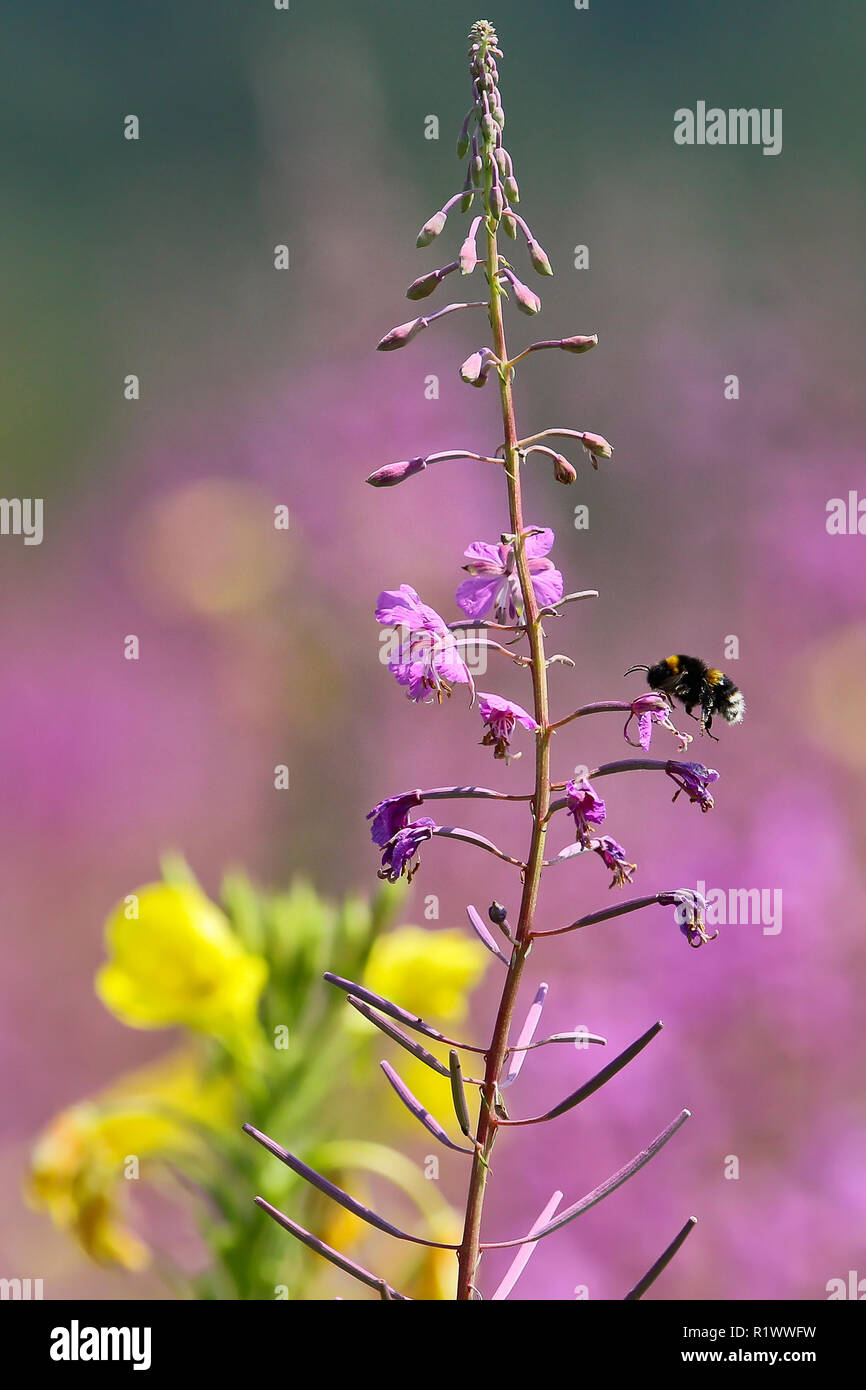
<point x="500" y="717"/>
<point x="403" y="848"/>
<point x="613" y="856"/>
<point x="649" y="710"/>
<point x="694" y="779"/>
<point x="391" y="815"/>
<point x="585" y="806"/>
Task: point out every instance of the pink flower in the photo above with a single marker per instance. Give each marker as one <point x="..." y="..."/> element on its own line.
<point x="500" y="717"/>
<point x="428" y="661"/>
<point x="649" y="710"/>
<point x="613" y="857"/>
<point x="586" y="807"/>
<point x="495" y="584"/>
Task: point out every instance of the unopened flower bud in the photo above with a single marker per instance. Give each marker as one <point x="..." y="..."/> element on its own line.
<point x="469" y="251"/>
<point x="580" y="344"/>
<point x="563" y="471"/>
<point x="401" y="335"/>
<point x="510" y="225"/>
<point x="431" y="229"/>
<point x="503" y="160"/>
<point x="499" y="116"/>
<point x="478" y="171"/>
<point x="496" y="202"/>
<point x="596" y="447"/>
<point x="539" y="258"/>
<point x="424" y="285"/>
<point x="526" y="301"/>
<point x="394" y="473"/>
<point x="497" y="913"/>
<point x="475" y="369"/>
<point x="488" y="129"/>
<point x="512" y="192"/>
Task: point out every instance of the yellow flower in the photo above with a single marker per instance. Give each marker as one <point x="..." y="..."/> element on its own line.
<point x="427" y="1273"/>
<point x="175" y="960"/>
<point x="435" y="1275"/>
<point x="78" y="1164"/>
<point x="431" y="973"/>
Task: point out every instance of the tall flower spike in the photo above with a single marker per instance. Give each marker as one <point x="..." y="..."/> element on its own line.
<point x="512" y="585"/>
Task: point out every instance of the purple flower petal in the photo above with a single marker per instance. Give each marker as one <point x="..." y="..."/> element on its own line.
<point x="494" y="707"/>
<point x="486" y="559"/>
<point x="477" y="596"/>
<point x="494" y="583"/>
<point x="399" y="607"/>
<point x="403" y="848"/>
<point x="428" y="657"/>
<point x="391" y="815"/>
<point x="694" y="779"/>
<point x="585" y="806"/>
<point x="500" y="716"/>
<point x="548" y="587"/>
<point x="613" y="857"/>
<point x="539" y="543"/>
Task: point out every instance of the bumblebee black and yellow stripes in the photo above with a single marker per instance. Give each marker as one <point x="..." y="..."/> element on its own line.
<point x="693" y="683"/>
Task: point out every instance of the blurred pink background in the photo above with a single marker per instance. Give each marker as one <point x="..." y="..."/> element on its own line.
<point x="258" y="647"/>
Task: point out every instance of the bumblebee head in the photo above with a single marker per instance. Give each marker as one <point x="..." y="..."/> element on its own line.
<point x="663" y="676"/>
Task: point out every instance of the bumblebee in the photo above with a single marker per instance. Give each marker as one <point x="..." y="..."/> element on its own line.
<point x="692" y="682"/>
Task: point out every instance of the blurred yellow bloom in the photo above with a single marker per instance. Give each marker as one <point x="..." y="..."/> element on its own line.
<point x="435" y="1276"/>
<point x="80" y="1161"/>
<point x="431" y="973"/>
<point x="426" y="1273"/>
<point x="174" y="959"/>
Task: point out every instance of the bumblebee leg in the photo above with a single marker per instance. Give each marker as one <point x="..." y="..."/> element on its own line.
<point x="707" y="721"/>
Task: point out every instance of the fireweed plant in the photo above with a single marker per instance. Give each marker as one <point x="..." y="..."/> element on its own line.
<point x="512" y="588"/>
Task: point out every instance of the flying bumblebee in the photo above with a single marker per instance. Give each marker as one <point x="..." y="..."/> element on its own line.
<point x="692" y="682"/>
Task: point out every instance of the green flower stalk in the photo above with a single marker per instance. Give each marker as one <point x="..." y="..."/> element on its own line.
<point x="512" y="588"/>
<point x="483" y="53"/>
